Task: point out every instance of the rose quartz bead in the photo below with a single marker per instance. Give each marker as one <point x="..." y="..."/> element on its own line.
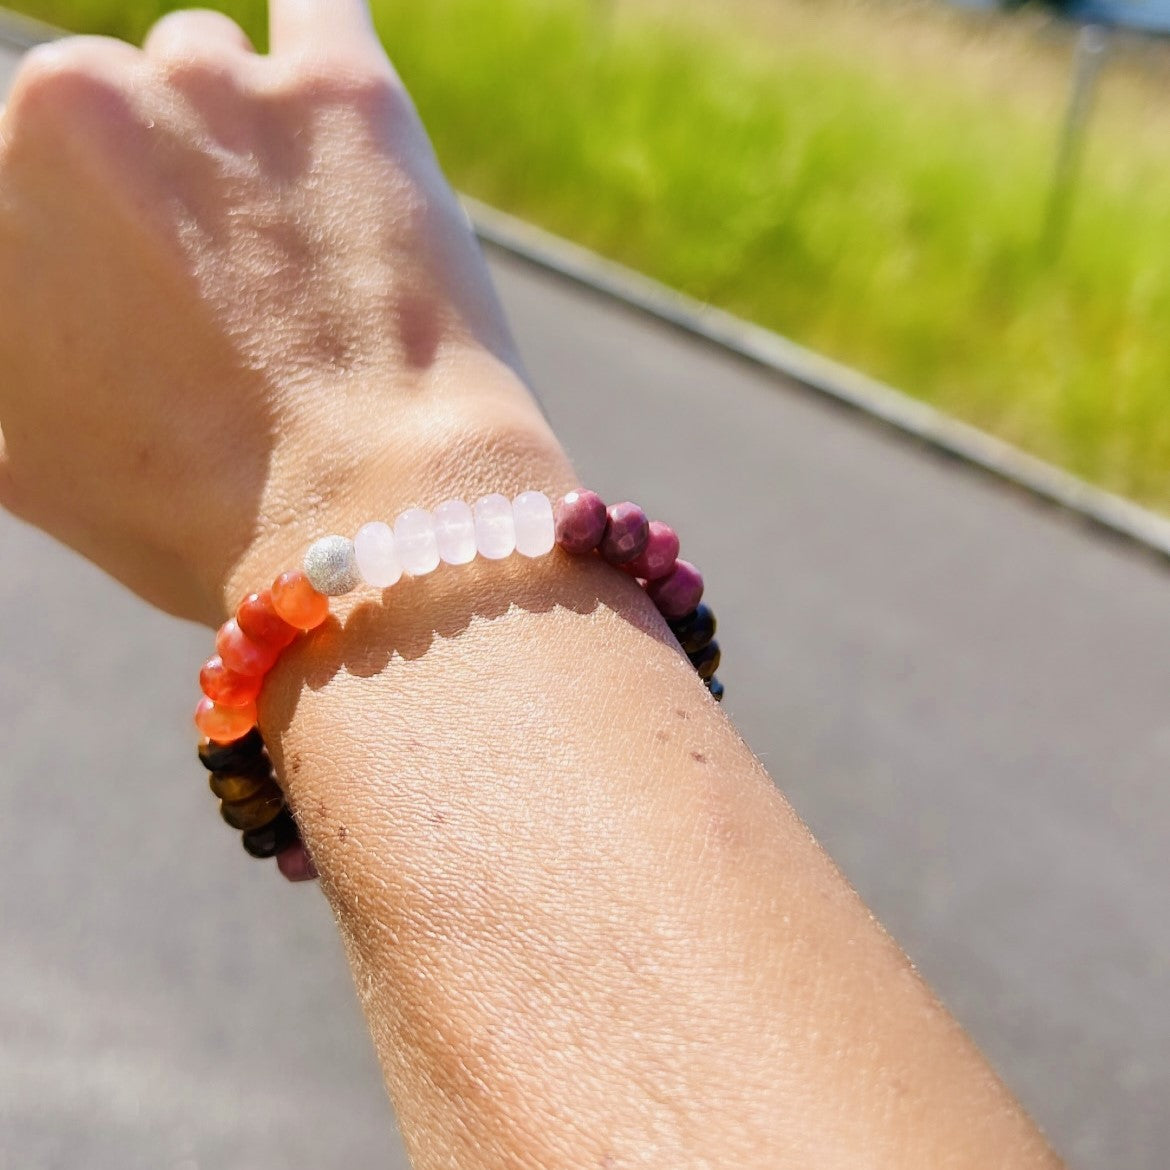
<point x="580" y="521"/>
<point x="679" y="593"/>
<point x="241" y="654"/>
<point x="296" y="864"/>
<point x="224" y="724"/>
<point x="659" y="555"/>
<point x="226" y="687"/>
<point x="415" y="542"/>
<point x="455" y="532"/>
<point x="258" y="618"/>
<point x="627" y="532"/>
<point x="495" y="527"/>
<point x="535" y="528"/>
<point x="377" y="557"/>
<point x="298" y="602"/>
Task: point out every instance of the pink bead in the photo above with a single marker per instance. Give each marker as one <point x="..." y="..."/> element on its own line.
<point x="243" y="655"/>
<point x="627" y="533"/>
<point x="659" y="556"/>
<point x="296" y="864"/>
<point x="224" y="724"/>
<point x="580" y="520"/>
<point x="679" y="593"/>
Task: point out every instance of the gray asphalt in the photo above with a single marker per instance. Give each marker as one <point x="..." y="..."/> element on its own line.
<point x="965" y="694"/>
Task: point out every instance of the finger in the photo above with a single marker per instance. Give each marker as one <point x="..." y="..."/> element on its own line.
<point x="195" y="32"/>
<point x="296" y="25"/>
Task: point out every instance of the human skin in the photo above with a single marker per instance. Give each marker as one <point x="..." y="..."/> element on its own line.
<point x="240" y="308"/>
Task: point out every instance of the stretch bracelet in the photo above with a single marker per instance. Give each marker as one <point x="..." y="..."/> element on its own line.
<point x="267" y="623"/>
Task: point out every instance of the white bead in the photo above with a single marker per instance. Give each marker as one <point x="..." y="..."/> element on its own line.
<point x="495" y="529"/>
<point x="377" y="558"/>
<point x="414" y="537"/>
<point x="535" y="531"/>
<point x="455" y="532"/>
<point x="331" y="567"/>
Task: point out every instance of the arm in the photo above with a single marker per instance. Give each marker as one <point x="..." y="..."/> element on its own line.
<point x="241" y="309"/>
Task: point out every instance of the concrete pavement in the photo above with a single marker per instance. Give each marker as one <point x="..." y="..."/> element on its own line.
<point x="966" y="695"/>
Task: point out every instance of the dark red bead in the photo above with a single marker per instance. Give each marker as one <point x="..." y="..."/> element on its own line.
<point x="680" y="592"/>
<point x="580" y="520"/>
<point x="627" y="532"/>
<point x="658" y="558"/>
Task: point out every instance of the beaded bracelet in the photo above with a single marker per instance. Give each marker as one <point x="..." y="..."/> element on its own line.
<point x="267" y="623"/>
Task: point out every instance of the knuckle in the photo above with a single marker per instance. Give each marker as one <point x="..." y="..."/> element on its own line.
<point x="66" y="78"/>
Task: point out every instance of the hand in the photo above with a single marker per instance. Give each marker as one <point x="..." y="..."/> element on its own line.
<point x="238" y="303"/>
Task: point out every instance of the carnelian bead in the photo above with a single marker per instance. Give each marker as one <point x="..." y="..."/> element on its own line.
<point x="226" y="687"/>
<point x="298" y="602"/>
<point x="243" y="655"/>
<point x="224" y="724"/>
<point x="258" y="618"/>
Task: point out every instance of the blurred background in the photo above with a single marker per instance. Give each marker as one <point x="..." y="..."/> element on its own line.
<point x="965" y="695"/>
<point x="876" y="179"/>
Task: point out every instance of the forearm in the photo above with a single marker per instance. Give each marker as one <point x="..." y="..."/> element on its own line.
<point x="583" y="923"/>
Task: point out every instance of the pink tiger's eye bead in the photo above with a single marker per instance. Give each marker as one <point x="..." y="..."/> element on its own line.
<point x="224" y="724"/>
<point x="298" y="602"/>
<point x="580" y="520"/>
<point x="627" y="533"/>
<point x="226" y="687"/>
<point x="258" y="618"/>
<point x="659" y="556"/>
<point x="241" y="654"/>
<point x="678" y="593"/>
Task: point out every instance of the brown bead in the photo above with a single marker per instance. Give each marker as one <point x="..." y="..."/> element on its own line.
<point x="274" y="837"/>
<point x="237" y="786"/>
<point x="243" y="755"/>
<point x="706" y="661"/>
<point x="255" y="812"/>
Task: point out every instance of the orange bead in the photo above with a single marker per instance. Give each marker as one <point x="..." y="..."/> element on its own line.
<point x="227" y="687"/>
<point x="259" y="620"/>
<point x="224" y="724"/>
<point x="243" y="655"/>
<point x="298" y="602"/>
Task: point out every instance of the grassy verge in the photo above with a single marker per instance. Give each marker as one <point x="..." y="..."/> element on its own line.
<point x="869" y="180"/>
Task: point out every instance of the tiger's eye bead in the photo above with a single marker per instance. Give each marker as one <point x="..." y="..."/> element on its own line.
<point x="706" y="661"/>
<point x="241" y="654"/>
<point x="627" y="532"/>
<point x="295" y="600"/>
<point x="236" y="786"/>
<point x="659" y="556"/>
<point x="244" y="755"/>
<point x="258" y="618"/>
<point x="716" y="689"/>
<point x="679" y="592"/>
<point x="331" y="566"/>
<point x="695" y="630"/>
<point x="226" y="687"/>
<point x="224" y="724"/>
<point x="295" y="864"/>
<point x="580" y="520"/>
<point x="273" y="838"/>
<point x="255" y="812"/>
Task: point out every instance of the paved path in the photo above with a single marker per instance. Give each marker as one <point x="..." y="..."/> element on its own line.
<point x="966" y="696"/>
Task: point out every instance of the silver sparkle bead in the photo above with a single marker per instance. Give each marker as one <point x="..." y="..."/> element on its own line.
<point x="331" y="566"/>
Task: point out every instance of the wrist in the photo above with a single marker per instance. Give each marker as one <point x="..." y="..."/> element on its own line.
<point x="494" y="440"/>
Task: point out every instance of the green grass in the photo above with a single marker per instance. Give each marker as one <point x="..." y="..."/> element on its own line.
<point x="868" y="180"/>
